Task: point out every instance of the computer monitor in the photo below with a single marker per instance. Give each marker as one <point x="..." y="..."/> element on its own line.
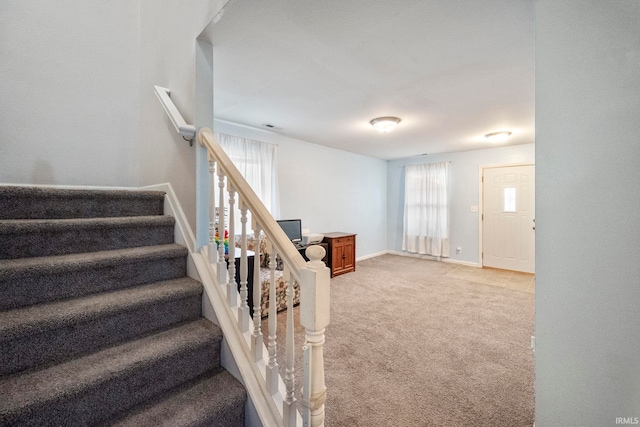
<point x="292" y="228"/>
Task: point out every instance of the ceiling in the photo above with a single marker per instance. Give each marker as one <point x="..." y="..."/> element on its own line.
<point x="319" y="71"/>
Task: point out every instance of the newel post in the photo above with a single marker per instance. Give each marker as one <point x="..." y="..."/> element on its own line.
<point x="314" y="317"/>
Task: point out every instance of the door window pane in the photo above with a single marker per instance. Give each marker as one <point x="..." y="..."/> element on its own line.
<point x="509" y="199"/>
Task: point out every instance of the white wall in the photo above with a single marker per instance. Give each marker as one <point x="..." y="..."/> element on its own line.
<point x="77" y="84"/>
<point x="587" y="156"/>
<point x="168" y="30"/>
<point x="464" y="180"/>
<point x="329" y="189"/>
<point x="69" y="89"/>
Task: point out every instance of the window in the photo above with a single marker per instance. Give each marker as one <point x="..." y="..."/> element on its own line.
<point x="256" y="161"/>
<point x="509" y="200"/>
<point x="426" y="209"/>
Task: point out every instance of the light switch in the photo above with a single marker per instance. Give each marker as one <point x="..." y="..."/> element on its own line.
<point x="474" y="209"/>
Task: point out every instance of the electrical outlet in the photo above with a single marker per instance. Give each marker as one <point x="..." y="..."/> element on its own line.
<point x="458" y="250"/>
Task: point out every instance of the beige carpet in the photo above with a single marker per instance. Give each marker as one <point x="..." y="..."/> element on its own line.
<point x="417" y="343"/>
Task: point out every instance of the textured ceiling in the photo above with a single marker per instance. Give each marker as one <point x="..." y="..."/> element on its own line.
<point x="319" y="71"/>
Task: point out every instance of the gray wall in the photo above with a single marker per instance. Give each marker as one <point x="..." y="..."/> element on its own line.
<point x="464" y="179"/>
<point x="329" y="189"/>
<point x="168" y="30"/>
<point x="587" y="249"/>
<point x="77" y="80"/>
<point x="69" y="88"/>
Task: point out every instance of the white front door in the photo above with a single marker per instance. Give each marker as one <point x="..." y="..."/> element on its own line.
<point x="508" y="221"/>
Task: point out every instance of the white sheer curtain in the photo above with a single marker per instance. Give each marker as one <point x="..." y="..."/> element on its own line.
<point x="256" y="161"/>
<point x="426" y="209"/>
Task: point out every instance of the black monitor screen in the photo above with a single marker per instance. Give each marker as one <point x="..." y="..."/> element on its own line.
<point x="292" y="228"/>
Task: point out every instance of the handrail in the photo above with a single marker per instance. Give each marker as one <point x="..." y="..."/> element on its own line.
<point x="187" y="131"/>
<point x="312" y="277"/>
<point x="283" y="245"/>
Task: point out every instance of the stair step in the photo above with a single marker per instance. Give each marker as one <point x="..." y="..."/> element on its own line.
<point x="53" y="332"/>
<point x="99" y="323"/>
<point x="20" y="238"/>
<point x="38" y="203"/>
<point x="215" y="400"/>
<point x="112" y="380"/>
<point x="38" y="280"/>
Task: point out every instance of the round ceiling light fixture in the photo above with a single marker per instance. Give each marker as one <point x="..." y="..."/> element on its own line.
<point x="385" y="124"/>
<point x="501" y="136"/>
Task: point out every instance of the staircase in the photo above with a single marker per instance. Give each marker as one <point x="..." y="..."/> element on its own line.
<point x="99" y="324"/>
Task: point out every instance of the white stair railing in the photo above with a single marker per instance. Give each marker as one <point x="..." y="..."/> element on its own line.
<point x="187" y="131"/>
<point x="312" y="277"/>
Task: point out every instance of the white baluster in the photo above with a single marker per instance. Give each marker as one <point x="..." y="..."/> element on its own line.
<point x="232" y="286"/>
<point x="257" y="342"/>
<point x="222" y="267"/>
<point x="243" y="310"/>
<point x="289" y="404"/>
<point x="213" y="255"/>
<point x="306" y="384"/>
<point x="314" y="317"/>
<point x="272" y="366"/>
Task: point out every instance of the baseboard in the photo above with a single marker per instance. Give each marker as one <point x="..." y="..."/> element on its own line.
<point x="432" y="258"/>
<point x="261" y="409"/>
<point x="71" y="187"/>
<point x="234" y="355"/>
<point x="362" y="258"/>
<point x="459" y="262"/>
<point x="183" y="233"/>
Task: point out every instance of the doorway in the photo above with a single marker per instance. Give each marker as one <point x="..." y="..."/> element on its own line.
<point x="508" y="217"/>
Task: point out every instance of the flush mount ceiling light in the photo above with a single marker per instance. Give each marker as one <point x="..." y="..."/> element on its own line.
<point x="385" y="124"/>
<point x="501" y="136"/>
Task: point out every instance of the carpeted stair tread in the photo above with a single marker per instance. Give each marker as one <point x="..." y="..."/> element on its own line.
<point x="96" y="368"/>
<point x="111" y="380"/>
<point x="99" y="322"/>
<point x="46" y="333"/>
<point x="16" y="268"/>
<point x="39" y="280"/>
<point x="21" y="238"/>
<point x="44" y="317"/>
<point x="38" y="202"/>
<point x="8" y="226"/>
<point x="214" y="400"/>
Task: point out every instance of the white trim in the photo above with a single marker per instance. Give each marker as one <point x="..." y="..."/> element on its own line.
<point x="507" y="165"/>
<point x="431" y="258"/>
<point x="241" y="363"/>
<point x="480" y="212"/>
<point x="262" y="401"/>
<point x="362" y="258"/>
<point x="481" y="169"/>
<point x="182" y="234"/>
<point x="72" y="187"/>
<point x="467" y="263"/>
<point x="183" y="128"/>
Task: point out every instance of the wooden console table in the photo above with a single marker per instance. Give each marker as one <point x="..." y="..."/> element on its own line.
<point x="342" y="252"/>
